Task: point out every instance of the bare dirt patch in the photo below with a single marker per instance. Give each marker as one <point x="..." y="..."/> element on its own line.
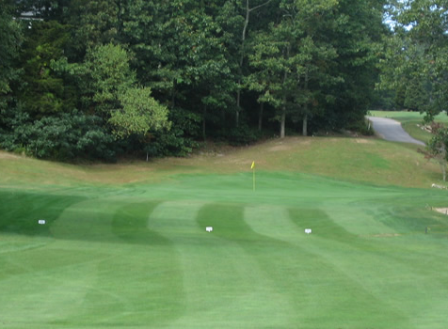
<point x="362" y="141"/>
<point x="4" y="155"/>
<point x="280" y="148"/>
<point x="289" y="144"/>
<point x="441" y="210"/>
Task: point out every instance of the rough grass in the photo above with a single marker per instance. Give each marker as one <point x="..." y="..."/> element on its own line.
<point x="125" y="246"/>
<point x="367" y="160"/>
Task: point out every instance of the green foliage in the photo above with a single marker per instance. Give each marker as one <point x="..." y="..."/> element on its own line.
<point x="357" y="36"/>
<point x="220" y="61"/>
<point x="242" y="135"/>
<point x="11" y="36"/>
<point x="438" y="145"/>
<point x="415" y="63"/>
<point x="42" y="90"/>
<point x="140" y="113"/>
<point x="94" y="23"/>
<point x="293" y="61"/>
<point x="109" y="75"/>
<point x="180" y="139"/>
<point x="63" y="137"/>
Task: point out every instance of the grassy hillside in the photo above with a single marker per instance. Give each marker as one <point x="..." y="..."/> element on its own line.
<point x="125" y="245"/>
<point x="367" y="160"/>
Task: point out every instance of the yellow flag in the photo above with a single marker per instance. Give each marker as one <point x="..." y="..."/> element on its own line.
<point x="253" y="165"/>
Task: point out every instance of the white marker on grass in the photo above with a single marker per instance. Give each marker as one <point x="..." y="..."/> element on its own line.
<point x="41" y="221"/>
<point x="308" y="231"/>
<point x="209" y="228"/>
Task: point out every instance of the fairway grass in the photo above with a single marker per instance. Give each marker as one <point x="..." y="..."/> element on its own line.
<point x="138" y="256"/>
<point x="125" y="245"/>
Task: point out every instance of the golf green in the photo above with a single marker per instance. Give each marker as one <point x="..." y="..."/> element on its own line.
<point x="139" y="256"/>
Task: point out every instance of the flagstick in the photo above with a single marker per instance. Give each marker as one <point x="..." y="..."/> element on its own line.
<point x="253" y="179"/>
<point x="253" y="174"/>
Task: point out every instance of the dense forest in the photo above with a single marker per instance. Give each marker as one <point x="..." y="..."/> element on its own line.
<point x="101" y="79"/>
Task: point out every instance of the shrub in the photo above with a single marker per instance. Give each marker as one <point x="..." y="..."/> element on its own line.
<point x="62" y="137"/>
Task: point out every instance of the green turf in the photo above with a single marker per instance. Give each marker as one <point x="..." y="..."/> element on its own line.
<point x="138" y="256"/>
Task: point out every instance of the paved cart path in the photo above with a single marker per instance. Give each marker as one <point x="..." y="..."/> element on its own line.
<point x="392" y="130"/>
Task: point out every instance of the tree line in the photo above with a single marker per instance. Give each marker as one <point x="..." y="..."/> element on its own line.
<point x="98" y="79"/>
<point x="414" y="67"/>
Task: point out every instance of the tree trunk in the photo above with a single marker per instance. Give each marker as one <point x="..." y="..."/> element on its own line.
<point x="305" y="125"/>
<point x="204" y="114"/>
<point x="442" y="163"/>
<point x="242" y="53"/>
<point x="282" y="122"/>
<point x="238" y="98"/>
<point x="305" y="116"/>
<point x="283" y="115"/>
<point x="260" y="116"/>
<point x="173" y="95"/>
<point x="243" y="41"/>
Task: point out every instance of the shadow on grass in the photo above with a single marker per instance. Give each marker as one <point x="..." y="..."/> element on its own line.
<point x="20" y="212"/>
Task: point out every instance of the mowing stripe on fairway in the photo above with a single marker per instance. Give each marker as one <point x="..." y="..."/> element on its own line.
<point x="139" y="256"/>
<point x="308" y="255"/>
<point x="46" y="296"/>
<point x="92" y="273"/>
<point x="349" y="217"/>
<point x="262" y="296"/>
<point x="224" y="285"/>
<point x="273" y="222"/>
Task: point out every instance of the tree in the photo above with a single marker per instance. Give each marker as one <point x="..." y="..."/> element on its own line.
<point x="180" y="52"/>
<point x="310" y="62"/>
<point x="293" y="61"/>
<point x="106" y="75"/>
<point x="11" y="36"/>
<point x="62" y="136"/>
<point x="356" y="32"/>
<point x="248" y="10"/>
<point x="43" y="90"/>
<point x="130" y="110"/>
<point x="416" y="60"/>
<point x="438" y="146"/>
<point x="139" y="113"/>
<point x="94" y="23"/>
